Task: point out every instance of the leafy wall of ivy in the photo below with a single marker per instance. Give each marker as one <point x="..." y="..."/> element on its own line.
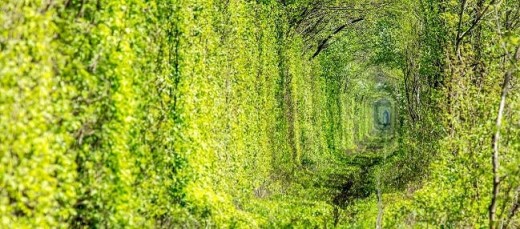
<point x="133" y="113"/>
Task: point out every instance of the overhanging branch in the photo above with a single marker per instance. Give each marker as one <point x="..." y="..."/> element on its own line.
<point x="323" y="44"/>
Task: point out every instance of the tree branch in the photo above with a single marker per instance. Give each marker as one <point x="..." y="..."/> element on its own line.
<point x="324" y="43"/>
<point x="461" y="35"/>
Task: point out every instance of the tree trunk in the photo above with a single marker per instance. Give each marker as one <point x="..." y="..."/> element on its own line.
<point x="495" y="157"/>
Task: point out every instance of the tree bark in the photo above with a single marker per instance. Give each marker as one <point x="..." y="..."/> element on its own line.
<point x="380" y="209"/>
<point x="495" y="157"/>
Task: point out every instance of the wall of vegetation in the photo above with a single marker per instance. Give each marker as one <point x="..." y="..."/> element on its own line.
<point x="134" y="113"/>
<point x="474" y="63"/>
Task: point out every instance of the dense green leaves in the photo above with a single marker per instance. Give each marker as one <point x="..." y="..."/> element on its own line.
<point x="155" y="114"/>
<point x="247" y="114"/>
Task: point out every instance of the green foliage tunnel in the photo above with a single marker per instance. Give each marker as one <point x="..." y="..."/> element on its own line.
<point x="259" y="114"/>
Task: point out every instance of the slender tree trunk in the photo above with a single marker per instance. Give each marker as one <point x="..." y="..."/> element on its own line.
<point x="478" y="69"/>
<point x="379" y="221"/>
<point x="458" y="39"/>
<point x="495" y="157"/>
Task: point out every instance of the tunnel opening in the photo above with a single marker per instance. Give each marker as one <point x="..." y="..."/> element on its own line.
<point x="383" y="114"/>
